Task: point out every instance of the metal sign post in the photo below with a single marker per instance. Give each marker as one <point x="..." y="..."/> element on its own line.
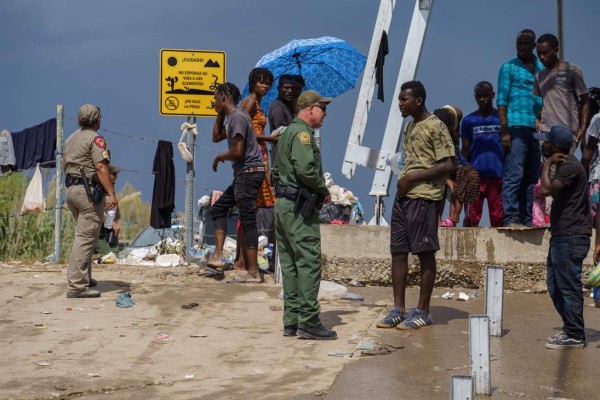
<point x="60" y="133"/>
<point x="494" y="298"/>
<point x="479" y="353"/>
<point x="462" y="387"/>
<point x="189" y="191"/>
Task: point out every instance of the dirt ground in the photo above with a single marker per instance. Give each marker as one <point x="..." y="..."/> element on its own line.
<point x="229" y="347"/>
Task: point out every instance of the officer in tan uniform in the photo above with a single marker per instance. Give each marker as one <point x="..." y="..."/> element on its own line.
<point x="86" y="161"/>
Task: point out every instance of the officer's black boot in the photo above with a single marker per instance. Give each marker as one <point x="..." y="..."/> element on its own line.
<point x="290" y="330"/>
<point x="317" y="332"/>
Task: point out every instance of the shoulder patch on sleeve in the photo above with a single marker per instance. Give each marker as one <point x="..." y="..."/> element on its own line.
<point x="100" y="142"/>
<point x="304" y="137"/>
<point x="105" y="155"/>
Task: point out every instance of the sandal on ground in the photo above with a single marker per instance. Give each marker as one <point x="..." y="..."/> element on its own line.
<point x="448" y="223"/>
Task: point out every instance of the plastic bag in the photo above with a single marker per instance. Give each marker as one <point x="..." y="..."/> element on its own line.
<point x="34" y="202"/>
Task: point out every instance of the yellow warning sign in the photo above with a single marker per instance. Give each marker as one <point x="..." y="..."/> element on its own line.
<point x="188" y="79"/>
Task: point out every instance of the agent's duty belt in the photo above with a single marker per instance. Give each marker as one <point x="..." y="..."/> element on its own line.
<point x="288" y="192"/>
<point x="75" y="180"/>
<point x="253" y="169"/>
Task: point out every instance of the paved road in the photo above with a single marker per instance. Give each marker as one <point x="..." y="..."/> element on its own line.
<point x="521" y="367"/>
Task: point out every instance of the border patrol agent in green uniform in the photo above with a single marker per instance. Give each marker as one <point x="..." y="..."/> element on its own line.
<point x="300" y="189"/>
<point x="87" y="180"/>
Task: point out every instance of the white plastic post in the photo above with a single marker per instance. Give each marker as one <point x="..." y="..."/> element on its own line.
<point x="479" y="353"/>
<point x="494" y="298"/>
<point x="462" y="387"/>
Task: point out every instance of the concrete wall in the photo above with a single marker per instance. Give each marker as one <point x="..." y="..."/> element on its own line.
<point x="483" y="245"/>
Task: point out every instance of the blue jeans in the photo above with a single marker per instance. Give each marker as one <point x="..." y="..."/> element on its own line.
<point x="521" y="173"/>
<point x="563" y="277"/>
<point x="242" y="193"/>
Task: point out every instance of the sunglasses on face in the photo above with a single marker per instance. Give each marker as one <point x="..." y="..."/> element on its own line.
<point x="321" y="106"/>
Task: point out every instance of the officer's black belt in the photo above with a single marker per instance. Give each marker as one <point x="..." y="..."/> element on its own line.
<point x="74" y="181"/>
<point x="287" y="192"/>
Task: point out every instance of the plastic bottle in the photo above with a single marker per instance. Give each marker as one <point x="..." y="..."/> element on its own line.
<point x="353" y="216"/>
<point x="110" y="218"/>
<point x="396" y="162"/>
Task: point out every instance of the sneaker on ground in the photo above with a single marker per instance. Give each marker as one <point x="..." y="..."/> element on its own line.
<point x="71" y="294"/>
<point x="562" y="341"/>
<point x="556" y="336"/>
<point x="391" y="320"/>
<point x="415" y="320"/>
<point x="317" y="332"/>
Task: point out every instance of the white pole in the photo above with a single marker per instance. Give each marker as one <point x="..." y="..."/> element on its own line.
<point x="60" y="132"/>
<point x="189" y="193"/>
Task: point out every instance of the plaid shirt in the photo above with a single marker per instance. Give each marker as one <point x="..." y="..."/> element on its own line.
<point x="515" y="85"/>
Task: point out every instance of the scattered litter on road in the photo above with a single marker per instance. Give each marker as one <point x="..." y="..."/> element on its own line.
<point x="365" y="346"/>
<point x="353" y="296"/>
<point x="41" y="326"/>
<point x="163" y="337"/>
<point x="189" y="306"/>
<point x="338" y="353"/>
<point x="462" y="296"/>
<point x="124" y="300"/>
<point x="18" y="297"/>
<point x="259" y="371"/>
<point x="189" y="376"/>
<point x="77" y="308"/>
<point x="44" y="363"/>
<point x="46" y="312"/>
<point x="89" y="329"/>
<point x="34" y="355"/>
<point x="276" y="308"/>
<point x="198" y="335"/>
<point x="93" y="375"/>
<point x="69" y="308"/>
<point x="381" y="350"/>
<point x="356" y="283"/>
<point x="448" y="296"/>
<point x="475" y="294"/>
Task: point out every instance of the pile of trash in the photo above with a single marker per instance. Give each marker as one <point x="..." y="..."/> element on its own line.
<point x="166" y="253"/>
<point x="200" y="253"/>
<point x="344" y="207"/>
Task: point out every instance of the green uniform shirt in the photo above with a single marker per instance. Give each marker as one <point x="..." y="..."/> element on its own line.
<point x="299" y="159"/>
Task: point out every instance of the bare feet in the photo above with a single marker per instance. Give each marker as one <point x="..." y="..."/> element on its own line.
<point x="215" y="263"/>
<point x="239" y="266"/>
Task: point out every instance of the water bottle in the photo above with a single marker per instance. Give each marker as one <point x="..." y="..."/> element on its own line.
<point x="353" y="216"/>
<point x="396" y="162"/>
<point x="317" y="136"/>
<point x="110" y="217"/>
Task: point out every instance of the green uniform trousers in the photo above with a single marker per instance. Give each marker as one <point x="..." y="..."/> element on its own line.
<point x="299" y="249"/>
<point x="89" y="217"/>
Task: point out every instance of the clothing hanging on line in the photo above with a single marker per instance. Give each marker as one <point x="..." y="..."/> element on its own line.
<point x="163" y="194"/>
<point x="7" y="152"/>
<point x="383" y="51"/>
<point x="35" y="145"/>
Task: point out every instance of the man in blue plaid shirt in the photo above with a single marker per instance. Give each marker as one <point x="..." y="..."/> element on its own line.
<point x="517" y="111"/>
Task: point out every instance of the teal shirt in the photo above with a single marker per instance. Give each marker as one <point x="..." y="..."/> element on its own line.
<point x="515" y="86"/>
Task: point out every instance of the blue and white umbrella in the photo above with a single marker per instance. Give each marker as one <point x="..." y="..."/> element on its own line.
<point x="328" y="65"/>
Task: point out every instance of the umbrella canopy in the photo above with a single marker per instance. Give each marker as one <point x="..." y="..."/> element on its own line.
<point x="328" y="65"/>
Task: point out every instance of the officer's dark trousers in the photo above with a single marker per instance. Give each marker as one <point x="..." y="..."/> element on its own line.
<point x="299" y="249"/>
<point x="242" y="193"/>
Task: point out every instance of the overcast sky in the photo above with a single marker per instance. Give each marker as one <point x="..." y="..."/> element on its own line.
<point x="107" y="53"/>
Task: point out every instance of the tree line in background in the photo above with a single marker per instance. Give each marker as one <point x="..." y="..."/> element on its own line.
<point x="31" y="237"/>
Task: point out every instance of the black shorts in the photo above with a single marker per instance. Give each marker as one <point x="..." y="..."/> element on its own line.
<point x="414" y="226"/>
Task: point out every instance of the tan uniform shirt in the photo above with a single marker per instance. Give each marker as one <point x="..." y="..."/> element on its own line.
<point x="84" y="148"/>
